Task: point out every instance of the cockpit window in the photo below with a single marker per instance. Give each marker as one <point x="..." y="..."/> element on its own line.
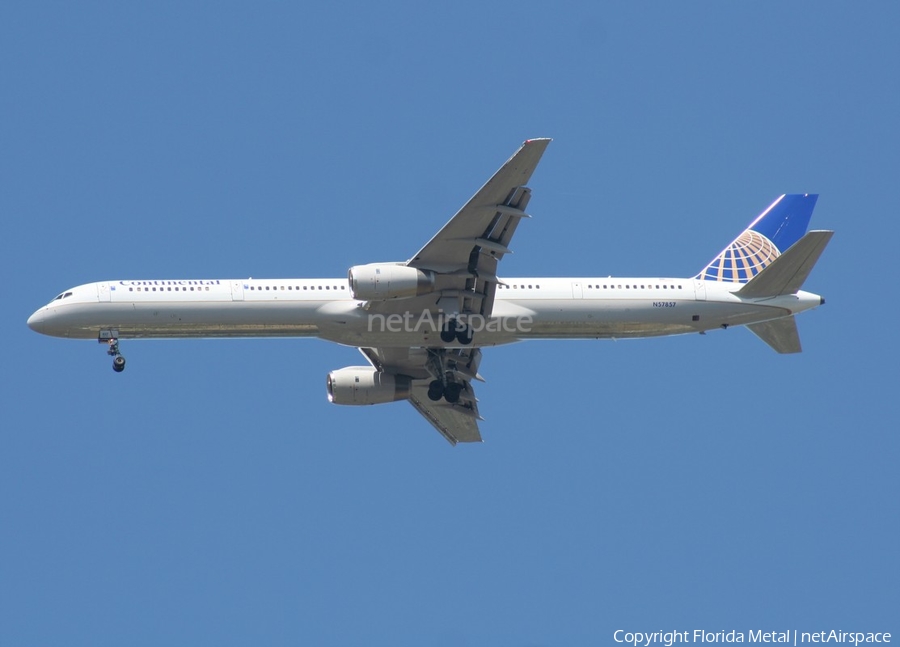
<point x="63" y="296"/>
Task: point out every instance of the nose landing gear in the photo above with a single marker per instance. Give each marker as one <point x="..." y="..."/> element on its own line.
<point x="111" y="339"/>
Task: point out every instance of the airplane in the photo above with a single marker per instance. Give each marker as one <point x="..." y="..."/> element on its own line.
<point x="422" y="324"/>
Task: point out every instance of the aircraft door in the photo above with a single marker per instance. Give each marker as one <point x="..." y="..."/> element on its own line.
<point x="700" y="290"/>
<point x="103" y="292"/>
<point x="237" y="290"/>
<point x="577" y="291"/>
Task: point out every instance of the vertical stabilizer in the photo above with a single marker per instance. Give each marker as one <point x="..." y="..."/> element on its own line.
<point x="775" y="230"/>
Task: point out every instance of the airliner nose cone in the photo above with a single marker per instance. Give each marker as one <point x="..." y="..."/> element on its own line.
<point x="35" y="321"/>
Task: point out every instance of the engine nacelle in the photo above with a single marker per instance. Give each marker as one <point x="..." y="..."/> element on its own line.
<point x="377" y="281"/>
<point x="366" y="385"/>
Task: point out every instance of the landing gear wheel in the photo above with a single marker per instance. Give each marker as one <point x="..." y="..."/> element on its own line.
<point x="435" y="391"/>
<point x="452" y="391"/>
<point x="448" y="331"/>
<point x="464" y="336"/>
<point x="112" y="350"/>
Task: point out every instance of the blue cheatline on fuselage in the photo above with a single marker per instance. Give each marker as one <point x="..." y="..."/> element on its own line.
<point x="774" y="231"/>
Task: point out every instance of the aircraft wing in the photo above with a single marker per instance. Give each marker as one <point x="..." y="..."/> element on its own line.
<point x="463" y="255"/>
<point x="465" y="252"/>
<point x="457" y="422"/>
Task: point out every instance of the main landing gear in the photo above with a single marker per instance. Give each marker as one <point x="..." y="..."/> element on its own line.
<point x="454" y="330"/>
<point x="450" y="392"/>
<point x="451" y="370"/>
<point x="113" y="343"/>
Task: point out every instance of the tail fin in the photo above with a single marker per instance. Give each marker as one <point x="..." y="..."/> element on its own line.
<point x="773" y="232"/>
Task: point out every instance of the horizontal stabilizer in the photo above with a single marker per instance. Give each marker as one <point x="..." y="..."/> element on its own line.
<point x="780" y="334"/>
<point x="787" y="273"/>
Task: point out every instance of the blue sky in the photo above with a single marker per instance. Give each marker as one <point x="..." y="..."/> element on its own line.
<point x="211" y="495"/>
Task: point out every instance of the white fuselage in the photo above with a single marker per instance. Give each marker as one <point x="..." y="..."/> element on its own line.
<point x="524" y="308"/>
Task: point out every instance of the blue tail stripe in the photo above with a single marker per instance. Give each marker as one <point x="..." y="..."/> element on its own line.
<point x="785" y="222"/>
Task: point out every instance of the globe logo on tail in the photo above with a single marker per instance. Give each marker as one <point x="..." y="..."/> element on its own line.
<point x="741" y="260"/>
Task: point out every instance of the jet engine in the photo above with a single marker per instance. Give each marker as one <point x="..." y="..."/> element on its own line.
<point x="366" y="385"/>
<point x="377" y="281"/>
